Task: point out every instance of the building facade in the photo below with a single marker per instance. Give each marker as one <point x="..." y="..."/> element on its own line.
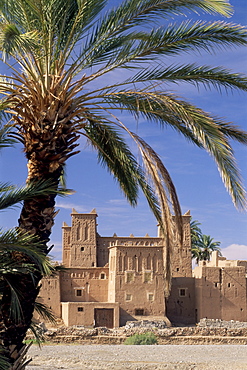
<point x="111" y="280"/>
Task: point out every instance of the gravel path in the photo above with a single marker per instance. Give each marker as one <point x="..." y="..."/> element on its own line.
<point x="121" y="357"/>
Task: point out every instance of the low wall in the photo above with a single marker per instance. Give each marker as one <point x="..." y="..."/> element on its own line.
<point x="174" y="335"/>
<point x="218" y="323"/>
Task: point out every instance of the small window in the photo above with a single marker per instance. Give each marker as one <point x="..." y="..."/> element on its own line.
<point x="82" y="249"/>
<point x="150" y="297"/>
<point x="147" y="276"/>
<point x="229" y="284"/>
<point x="216" y="285"/>
<point x="80" y="309"/>
<point x="182" y="292"/>
<point x="128" y="297"/>
<point x="102" y="276"/>
<point x="78" y="292"/>
<point x="177" y="269"/>
<point x="139" y="311"/>
<point x="129" y="276"/>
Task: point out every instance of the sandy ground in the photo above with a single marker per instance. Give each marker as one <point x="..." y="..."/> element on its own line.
<point x="121" y="357"/>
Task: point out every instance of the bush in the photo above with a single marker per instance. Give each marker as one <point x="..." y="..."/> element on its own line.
<point x="146" y="338"/>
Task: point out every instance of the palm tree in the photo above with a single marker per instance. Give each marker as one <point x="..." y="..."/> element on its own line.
<point x="59" y="51"/>
<point x="21" y="255"/>
<point x="195" y="233"/>
<point x="206" y="246"/>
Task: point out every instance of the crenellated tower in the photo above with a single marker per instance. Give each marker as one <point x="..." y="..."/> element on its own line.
<point x="79" y="240"/>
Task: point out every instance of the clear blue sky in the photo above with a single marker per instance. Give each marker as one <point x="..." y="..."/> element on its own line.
<point x="194" y="173"/>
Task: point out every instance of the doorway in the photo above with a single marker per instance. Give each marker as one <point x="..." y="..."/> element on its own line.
<point x="103" y="317"/>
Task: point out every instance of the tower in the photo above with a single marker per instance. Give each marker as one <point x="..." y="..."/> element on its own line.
<point x="80" y="240"/>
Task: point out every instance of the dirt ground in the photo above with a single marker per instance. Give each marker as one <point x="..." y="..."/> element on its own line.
<point x="122" y="357"/>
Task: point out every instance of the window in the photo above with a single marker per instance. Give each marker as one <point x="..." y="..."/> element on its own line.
<point x="102" y="276"/>
<point x="78" y="292"/>
<point x="177" y="269"/>
<point x="128" y="297"/>
<point x="150" y="296"/>
<point x="129" y="276"/>
<point x="139" y="311"/>
<point x="147" y="276"/>
<point x="80" y="309"/>
<point x="82" y="249"/>
<point x="229" y="284"/>
<point x="182" y="292"/>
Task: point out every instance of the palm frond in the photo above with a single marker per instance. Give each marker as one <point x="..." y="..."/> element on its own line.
<point x="5" y="139"/>
<point x="113" y="152"/>
<point x="109" y="39"/>
<point x="138" y="12"/>
<point x="4" y="360"/>
<point x="28" y="246"/>
<point x="39" y="188"/>
<point x="198" y="126"/>
<point x="161" y="181"/>
<point x="45" y="312"/>
<point x="216" y="77"/>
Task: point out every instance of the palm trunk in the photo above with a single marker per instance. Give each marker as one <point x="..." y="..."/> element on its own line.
<point x="48" y="144"/>
<point x="37" y="217"/>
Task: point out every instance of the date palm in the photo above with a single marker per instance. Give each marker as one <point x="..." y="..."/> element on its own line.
<point x="59" y="53"/>
<point x="21" y="261"/>
<point x="195" y="234"/>
<point x="206" y="245"/>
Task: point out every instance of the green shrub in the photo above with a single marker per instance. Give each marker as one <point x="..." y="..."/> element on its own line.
<point x="146" y="338"/>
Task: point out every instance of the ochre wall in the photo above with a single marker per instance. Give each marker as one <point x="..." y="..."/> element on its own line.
<point x="92" y="282"/>
<point x="220" y="292"/>
<point x="71" y="315"/>
<point x="50" y="294"/>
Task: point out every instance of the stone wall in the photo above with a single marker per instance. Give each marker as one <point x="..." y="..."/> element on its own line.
<point x="218" y="323"/>
<point x="165" y="335"/>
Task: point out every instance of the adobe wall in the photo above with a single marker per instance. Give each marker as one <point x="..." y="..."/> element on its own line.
<point x="139" y="286"/>
<point x="181" y="256"/>
<point x="220" y="293"/>
<point x="83" y="313"/>
<point x="91" y="284"/>
<point x="180" y="306"/>
<point x="79" y="241"/>
<point x="50" y="294"/>
<point x="234" y="291"/>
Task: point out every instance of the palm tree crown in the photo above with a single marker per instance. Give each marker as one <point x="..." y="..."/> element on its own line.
<point x="205" y="246"/>
<point x="63" y="48"/>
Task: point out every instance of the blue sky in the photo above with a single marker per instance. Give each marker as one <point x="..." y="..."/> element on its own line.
<point x="194" y="173"/>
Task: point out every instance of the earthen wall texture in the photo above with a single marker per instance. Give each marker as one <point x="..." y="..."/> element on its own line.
<point x="220" y="293"/>
<point x="129" y="272"/>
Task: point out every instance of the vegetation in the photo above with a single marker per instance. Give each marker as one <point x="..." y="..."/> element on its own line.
<point x="202" y="245"/>
<point x="141" y="339"/>
<point x="58" y="52"/>
<point x="21" y="257"/>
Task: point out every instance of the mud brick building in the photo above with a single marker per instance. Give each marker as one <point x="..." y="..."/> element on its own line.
<point x="111" y="280"/>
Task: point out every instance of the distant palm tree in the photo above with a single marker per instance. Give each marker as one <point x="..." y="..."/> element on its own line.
<point x="195" y="234"/>
<point x="195" y="231"/>
<point x="204" y="248"/>
<point x="60" y="50"/>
